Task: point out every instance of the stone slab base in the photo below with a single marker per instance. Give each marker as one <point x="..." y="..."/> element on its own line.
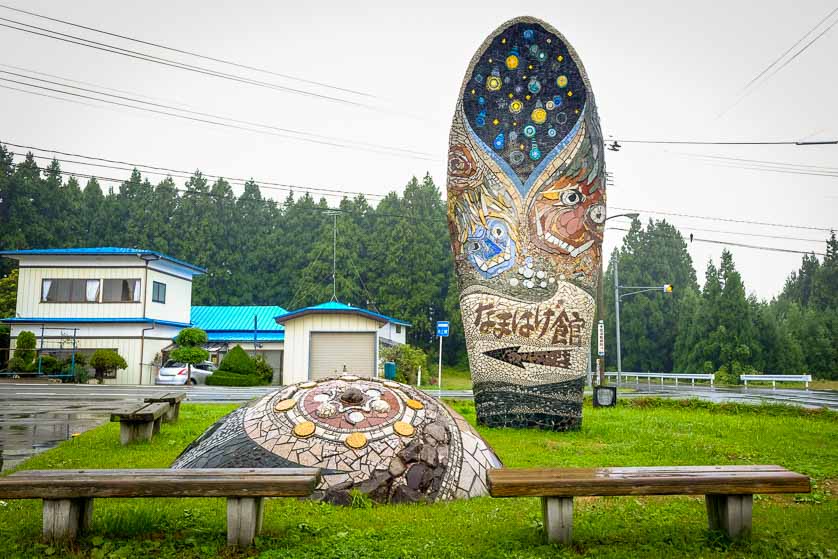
<point x="554" y="407"/>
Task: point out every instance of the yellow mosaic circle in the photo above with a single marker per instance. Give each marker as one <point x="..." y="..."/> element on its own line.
<point x="349" y="377"/>
<point x="561" y="81"/>
<point x="308" y="384"/>
<point x="403" y="429"/>
<point x="516" y="106"/>
<point x="539" y="116"/>
<point x="493" y="83"/>
<point x="356" y="440"/>
<point x="304" y="430"/>
<point x="390" y="384"/>
<point x="511" y="61"/>
<point x="415" y="404"/>
<point x="285" y="405"/>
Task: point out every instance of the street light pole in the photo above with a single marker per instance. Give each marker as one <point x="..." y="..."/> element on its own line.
<point x="617" y="319"/>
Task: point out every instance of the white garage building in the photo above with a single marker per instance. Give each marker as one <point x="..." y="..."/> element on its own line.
<point x="332" y="338"/>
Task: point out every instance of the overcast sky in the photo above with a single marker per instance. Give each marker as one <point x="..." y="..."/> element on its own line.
<point x="660" y="70"/>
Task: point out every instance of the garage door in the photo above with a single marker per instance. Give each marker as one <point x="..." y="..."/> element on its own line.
<point x="335" y="352"/>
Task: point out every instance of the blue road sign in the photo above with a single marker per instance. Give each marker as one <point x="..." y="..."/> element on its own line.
<point x="442" y="328"/>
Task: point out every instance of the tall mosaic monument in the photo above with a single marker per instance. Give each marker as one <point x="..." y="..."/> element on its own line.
<point x="526" y="212"/>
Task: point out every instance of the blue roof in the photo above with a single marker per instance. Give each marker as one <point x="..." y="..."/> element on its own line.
<point x="337" y="307"/>
<point x="245" y="336"/>
<point x="239" y="319"/>
<point x="16" y="320"/>
<point x="111" y="251"/>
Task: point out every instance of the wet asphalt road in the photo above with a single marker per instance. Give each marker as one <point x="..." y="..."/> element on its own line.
<point x="36" y="417"/>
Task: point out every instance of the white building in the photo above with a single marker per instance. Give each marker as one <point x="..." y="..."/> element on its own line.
<point x="130" y="300"/>
<point x="135" y="302"/>
<point x="332" y="338"/>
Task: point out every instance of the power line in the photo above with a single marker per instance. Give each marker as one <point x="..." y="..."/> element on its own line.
<point x="759" y="165"/>
<point x="744" y="91"/>
<point x="728" y="143"/>
<point x="749" y="222"/>
<point x="81" y="41"/>
<point x="190" y="53"/>
<point x="778" y="164"/>
<point x="209" y="115"/>
<point x="215" y="123"/>
<point x="731" y="243"/>
<point x="185" y="175"/>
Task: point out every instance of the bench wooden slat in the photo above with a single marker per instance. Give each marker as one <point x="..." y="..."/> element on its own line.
<point x="147" y="412"/>
<point x="178" y="483"/>
<point x="169" y="397"/>
<point x="677" y="480"/>
<point x="162" y="472"/>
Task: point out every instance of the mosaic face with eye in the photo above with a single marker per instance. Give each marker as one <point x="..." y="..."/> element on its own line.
<point x="526" y="213"/>
<point x="490" y="249"/>
<point x="567" y="217"/>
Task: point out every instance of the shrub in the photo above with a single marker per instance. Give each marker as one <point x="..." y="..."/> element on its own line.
<point x="25" y="348"/>
<point x="263" y="370"/>
<point x="106" y="361"/>
<point x="16" y="365"/>
<point x="227" y="378"/>
<point x="49" y="365"/>
<point x="190" y="349"/>
<point x="238" y="361"/>
<point x="407" y="358"/>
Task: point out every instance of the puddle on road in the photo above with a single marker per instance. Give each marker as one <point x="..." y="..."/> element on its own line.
<point x="40" y="427"/>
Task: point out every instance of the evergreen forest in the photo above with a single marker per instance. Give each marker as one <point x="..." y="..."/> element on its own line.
<point x="394" y="257"/>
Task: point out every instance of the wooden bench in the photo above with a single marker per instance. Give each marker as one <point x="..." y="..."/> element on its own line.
<point x="173" y="399"/>
<point x="68" y="494"/>
<point x="728" y="490"/>
<point x="140" y="423"/>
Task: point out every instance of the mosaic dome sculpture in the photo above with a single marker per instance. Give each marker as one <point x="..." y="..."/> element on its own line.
<point x="388" y="440"/>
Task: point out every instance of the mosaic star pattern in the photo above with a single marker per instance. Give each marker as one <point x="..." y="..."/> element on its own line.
<point x="526" y="213"/>
<point x="385" y="439"/>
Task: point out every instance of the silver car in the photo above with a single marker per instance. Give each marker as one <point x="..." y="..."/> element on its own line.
<point x="175" y="373"/>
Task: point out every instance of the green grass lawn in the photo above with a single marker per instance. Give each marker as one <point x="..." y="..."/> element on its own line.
<point x="453" y="378"/>
<point x="638" y="432"/>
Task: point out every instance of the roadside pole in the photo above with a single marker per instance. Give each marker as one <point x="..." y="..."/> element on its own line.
<point x="442" y="329"/>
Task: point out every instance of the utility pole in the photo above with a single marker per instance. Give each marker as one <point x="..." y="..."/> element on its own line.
<point x="334" y="215"/>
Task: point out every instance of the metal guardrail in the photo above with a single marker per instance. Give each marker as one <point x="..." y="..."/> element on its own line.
<point x="662" y="376"/>
<point x="774" y="379"/>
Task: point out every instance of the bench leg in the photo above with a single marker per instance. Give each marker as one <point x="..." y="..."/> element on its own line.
<point x="558" y="519"/>
<point x="156" y="426"/>
<point x="172" y="413"/>
<point x="64" y="519"/>
<point x="130" y="431"/>
<point x="244" y="520"/>
<point x="730" y="514"/>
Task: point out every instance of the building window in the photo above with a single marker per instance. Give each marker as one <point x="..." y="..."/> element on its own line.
<point x="121" y="291"/>
<point x="398" y="328"/>
<point x="69" y="291"/>
<point x="158" y="292"/>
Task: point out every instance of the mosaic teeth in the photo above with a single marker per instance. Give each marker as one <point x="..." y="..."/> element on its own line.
<point x="578" y="250"/>
<point x="553" y="240"/>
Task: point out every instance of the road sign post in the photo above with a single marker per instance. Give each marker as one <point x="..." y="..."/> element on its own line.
<point x="442" y="329"/>
<point x="600" y="363"/>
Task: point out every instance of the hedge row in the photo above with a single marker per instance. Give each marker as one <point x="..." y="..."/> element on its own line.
<point x="226" y="378"/>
